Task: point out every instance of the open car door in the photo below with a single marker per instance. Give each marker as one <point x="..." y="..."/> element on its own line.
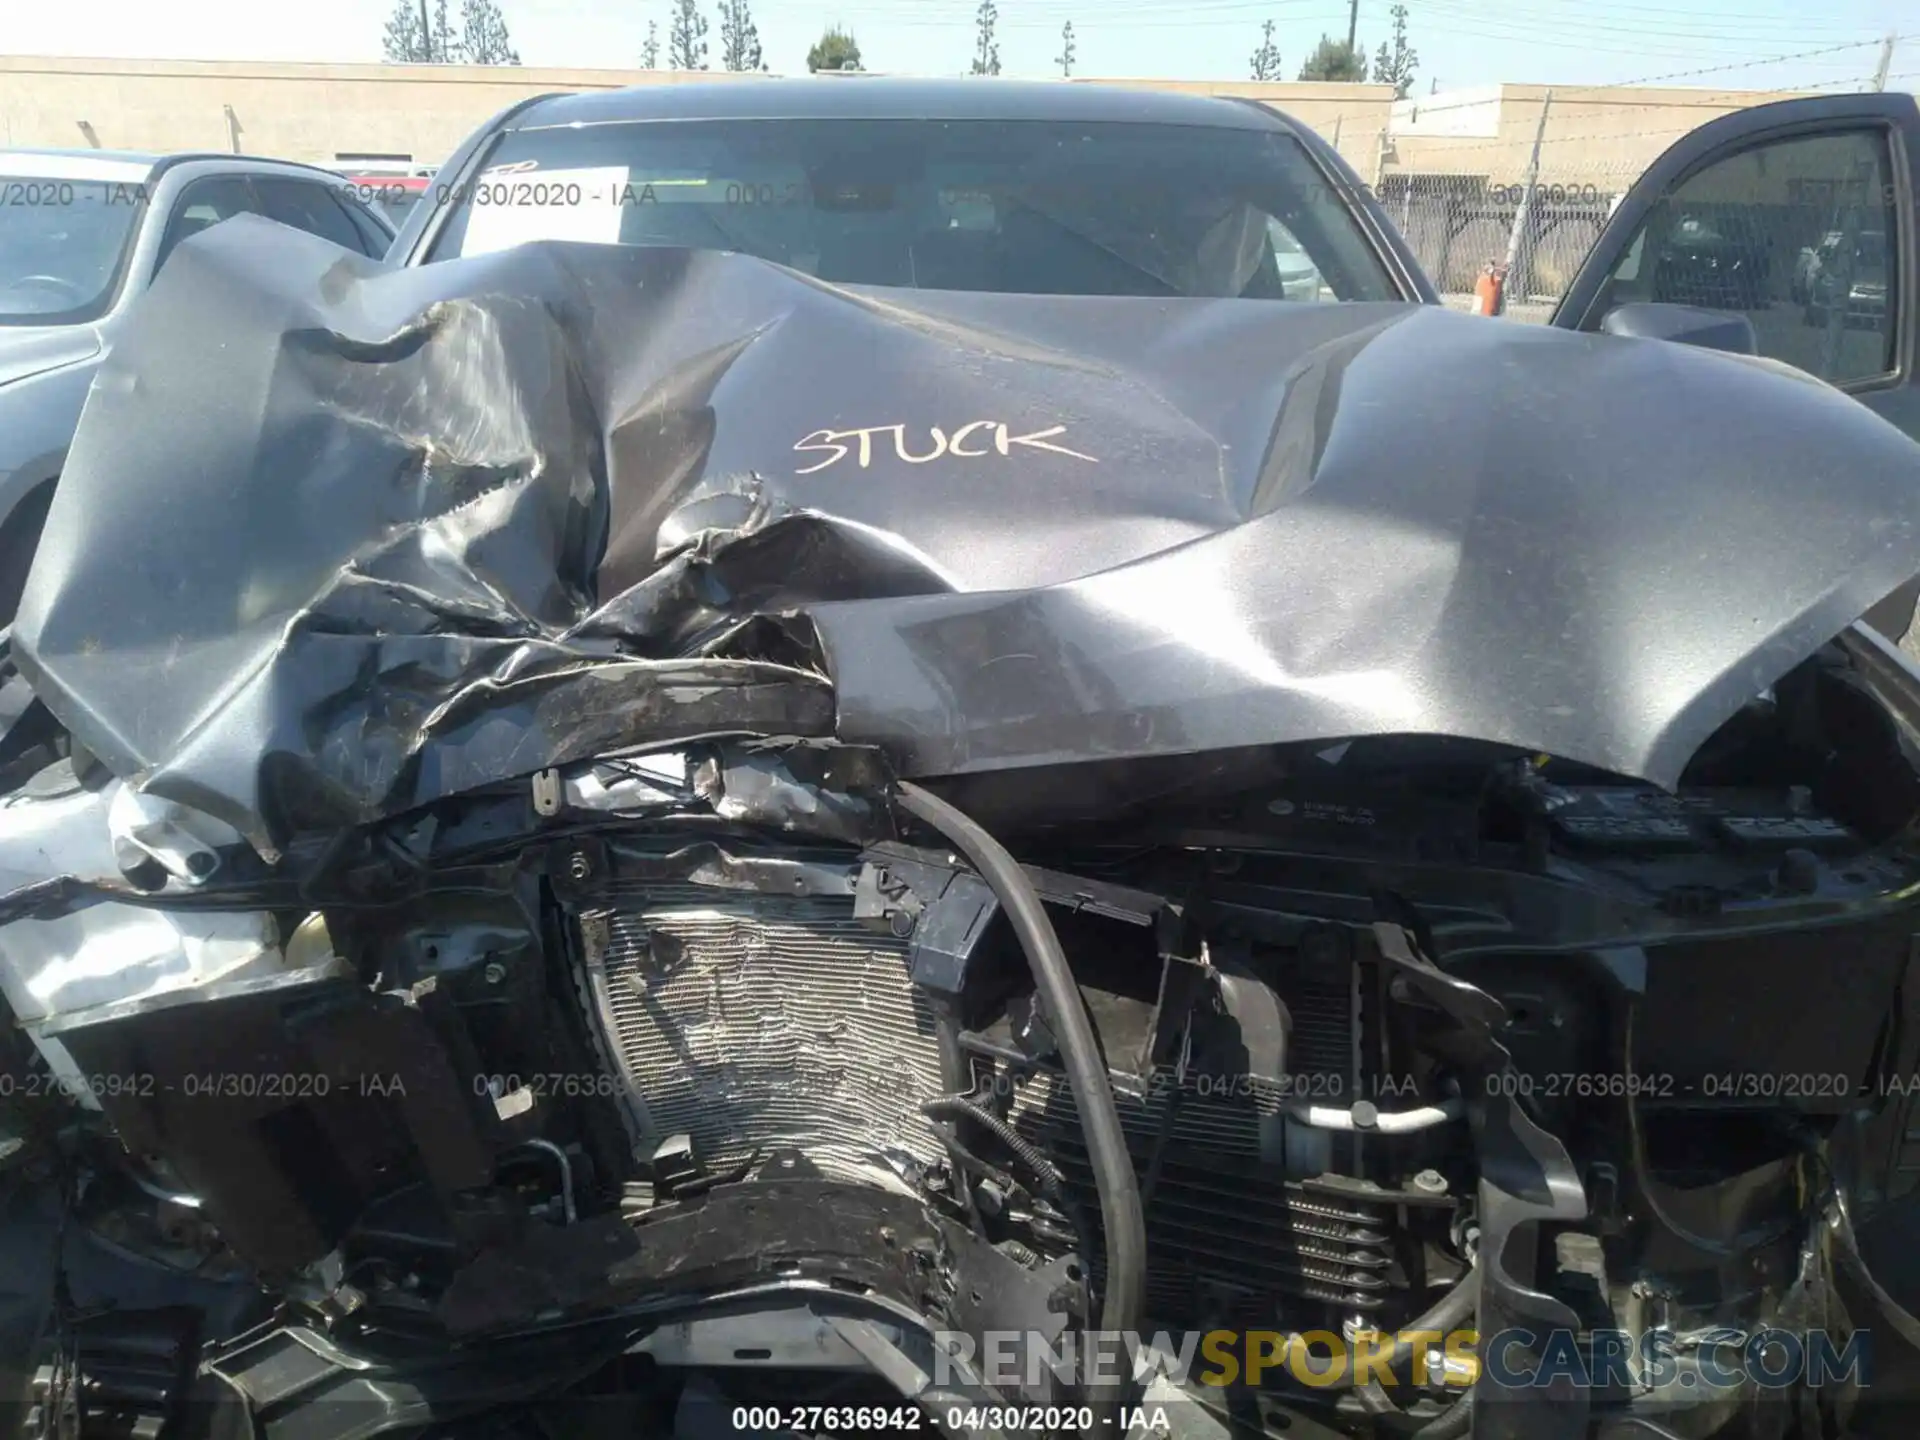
<point x="1798" y="217"/>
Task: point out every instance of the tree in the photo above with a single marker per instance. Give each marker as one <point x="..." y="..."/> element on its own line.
<point x="687" y="37"/>
<point x="739" y="39"/>
<point x="483" y="34"/>
<point x="986" y="49"/>
<point x="835" y="50"/>
<point x="650" y="52"/>
<point x="1266" y="60"/>
<point x="1066" y="56"/>
<point x="1335" y="60"/>
<point x="406" y="38"/>
<point x="1393" y="63"/>
<point x="415" y="38"/>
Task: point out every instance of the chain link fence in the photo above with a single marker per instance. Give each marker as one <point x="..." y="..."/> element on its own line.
<point x="1542" y="231"/>
<point x="1528" y="177"/>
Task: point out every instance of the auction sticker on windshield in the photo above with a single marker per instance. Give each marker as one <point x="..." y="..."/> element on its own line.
<point x="507" y="209"/>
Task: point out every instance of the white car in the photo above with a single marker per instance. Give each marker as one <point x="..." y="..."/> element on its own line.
<point x="82" y="234"/>
<point x="1299" y="277"/>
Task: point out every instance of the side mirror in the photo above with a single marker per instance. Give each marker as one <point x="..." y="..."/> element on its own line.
<point x="1684" y="325"/>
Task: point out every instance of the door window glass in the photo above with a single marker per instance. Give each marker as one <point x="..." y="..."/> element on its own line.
<point x="1798" y="235"/>
<point x="204" y="204"/>
<point x="374" y="237"/>
<point x="309" y="207"/>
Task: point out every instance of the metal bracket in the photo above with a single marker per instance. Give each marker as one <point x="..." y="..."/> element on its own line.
<point x="547" y="792"/>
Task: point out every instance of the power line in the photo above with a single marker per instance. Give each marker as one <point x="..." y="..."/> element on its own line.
<point x="963" y="14"/>
<point x="1651" y="44"/>
<point x="1699" y="28"/>
<point x="1562" y="104"/>
<point x="1534" y="31"/>
<point x="1027" y="20"/>
<point x="1590" y="46"/>
<point x="1670" y="132"/>
<point x="1749" y="64"/>
<point x="1788" y="24"/>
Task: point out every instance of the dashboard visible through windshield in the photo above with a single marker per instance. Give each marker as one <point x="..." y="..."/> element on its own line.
<point x="1026" y="207"/>
<point x="62" y="243"/>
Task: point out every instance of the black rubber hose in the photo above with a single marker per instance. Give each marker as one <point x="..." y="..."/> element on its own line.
<point x="1445" y="1315"/>
<point x="1049" y="1184"/>
<point x="1119" y="1189"/>
<point x="946" y="1107"/>
<point x="1450" y="1426"/>
<point x="1375" y="1400"/>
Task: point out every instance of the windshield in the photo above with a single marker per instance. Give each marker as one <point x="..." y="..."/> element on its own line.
<point x="1012" y="206"/>
<point x="61" y="247"/>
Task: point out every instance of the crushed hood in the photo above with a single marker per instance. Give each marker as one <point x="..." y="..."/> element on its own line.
<point x="334" y="541"/>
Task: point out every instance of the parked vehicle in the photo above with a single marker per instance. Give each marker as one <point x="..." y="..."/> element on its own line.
<point x="1716" y="262"/>
<point x="1807" y="263"/>
<point x="821" y="744"/>
<point x="82" y="234"/>
<point x="1299" y="276"/>
<point x="1859" y="274"/>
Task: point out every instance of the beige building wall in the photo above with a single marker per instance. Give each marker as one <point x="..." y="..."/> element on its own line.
<point x="291" y="112"/>
<point x="1596" y="135"/>
<point x="1351" y="117"/>
<point x="318" y="112"/>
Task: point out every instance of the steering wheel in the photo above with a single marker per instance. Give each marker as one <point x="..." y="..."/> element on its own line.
<point x="50" y="282"/>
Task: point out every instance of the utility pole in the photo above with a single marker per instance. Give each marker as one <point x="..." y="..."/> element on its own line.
<point x="1886" y="63"/>
<point x="1353" y="23"/>
<point x="1523" y="214"/>
<point x="1384" y="151"/>
<point x="426" y="35"/>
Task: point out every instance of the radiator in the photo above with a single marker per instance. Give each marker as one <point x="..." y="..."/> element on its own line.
<point x="1228" y="1234"/>
<point x="1236" y="1224"/>
<point x="754" y="1022"/>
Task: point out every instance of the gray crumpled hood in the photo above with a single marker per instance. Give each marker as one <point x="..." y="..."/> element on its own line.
<point x="333" y="542"/>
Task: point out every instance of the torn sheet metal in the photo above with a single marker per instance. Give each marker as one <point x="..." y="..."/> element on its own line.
<point x="335" y="541"/>
<point x="832" y="792"/>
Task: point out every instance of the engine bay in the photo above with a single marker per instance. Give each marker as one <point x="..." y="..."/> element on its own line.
<point x="716" y="1087"/>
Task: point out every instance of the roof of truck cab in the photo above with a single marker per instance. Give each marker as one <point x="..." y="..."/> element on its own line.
<point x="853" y="96"/>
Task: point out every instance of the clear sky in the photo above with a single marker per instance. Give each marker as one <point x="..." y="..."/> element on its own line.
<point x="1460" y="42"/>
